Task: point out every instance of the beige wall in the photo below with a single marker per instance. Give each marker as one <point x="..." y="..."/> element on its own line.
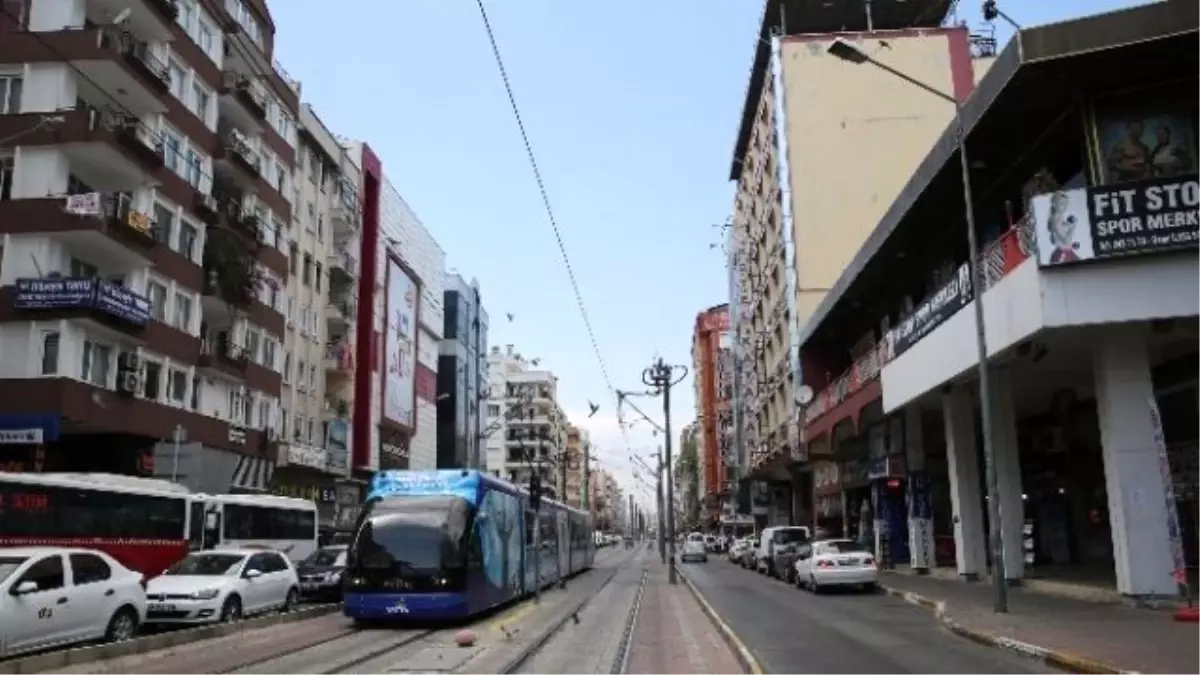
<point x="855" y="135"/>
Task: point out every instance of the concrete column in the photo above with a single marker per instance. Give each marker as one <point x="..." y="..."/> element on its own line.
<point x="1008" y="474"/>
<point x="970" y="538"/>
<point x="1137" y="505"/>
<point x="920" y="524"/>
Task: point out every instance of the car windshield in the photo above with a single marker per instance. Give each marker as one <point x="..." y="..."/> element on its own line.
<point x="790" y="536"/>
<point x="8" y="565"/>
<point x="327" y="557"/>
<point x="207" y="564"/>
<point x="842" y="546"/>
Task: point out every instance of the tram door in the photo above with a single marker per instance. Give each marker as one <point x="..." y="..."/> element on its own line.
<point x="564" y="544"/>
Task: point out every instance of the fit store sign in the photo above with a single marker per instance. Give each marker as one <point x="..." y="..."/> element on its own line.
<point x="1134" y="218"/>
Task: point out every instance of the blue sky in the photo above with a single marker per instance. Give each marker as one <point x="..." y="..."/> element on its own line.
<point x="632" y="108"/>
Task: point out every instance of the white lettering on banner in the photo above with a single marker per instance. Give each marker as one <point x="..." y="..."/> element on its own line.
<point x="21" y="436"/>
<point x="301" y="455"/>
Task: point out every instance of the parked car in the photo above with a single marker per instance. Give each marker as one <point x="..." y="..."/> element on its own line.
<point x="736" y="549"/>
<point x="772" y="538"/>
<point x="52" y="597"/>
<point x="223" y="585"/>
<point x="321" y="573"/>
<point x="835" y="562"/>
<point x="748" y="557"/>
<point x="693" y="549"/>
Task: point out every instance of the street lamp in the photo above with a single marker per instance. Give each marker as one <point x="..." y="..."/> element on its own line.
<point x="849" y="53"/>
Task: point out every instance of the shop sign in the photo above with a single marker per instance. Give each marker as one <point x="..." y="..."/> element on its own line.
<point x="933" y="312"/>
<point x="325" y="495"/>
<point x="303" y="455"/>
<point x="1128" y="218"/>
<point x="21" y="436"/>
<point x="393" y="457"/>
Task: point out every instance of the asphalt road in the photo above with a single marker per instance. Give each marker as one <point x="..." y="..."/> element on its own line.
<point x="793" y="631"/>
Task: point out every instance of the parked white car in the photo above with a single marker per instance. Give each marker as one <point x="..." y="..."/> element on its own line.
<point x="835" y="562"/>
<point x="693" y="549"/>
<point x="223" y="585"/>
<point x="51" y="597"/>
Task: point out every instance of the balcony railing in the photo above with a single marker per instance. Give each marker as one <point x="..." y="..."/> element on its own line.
<point x="999" y="259"/>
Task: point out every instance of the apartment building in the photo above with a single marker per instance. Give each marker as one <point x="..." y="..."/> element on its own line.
<point x="528" y="428"/>
<point x="318" y="350"/>
<point x="605" y="500"/>
<point x="710" y="331"/>
<point x="799" y="167"/>
<point x="573" y="474"/>
<point x="462" y="376"/>
<point x="146" y="172"/>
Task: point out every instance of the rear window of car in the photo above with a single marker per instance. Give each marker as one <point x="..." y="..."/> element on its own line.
<point x="846" y="546"/>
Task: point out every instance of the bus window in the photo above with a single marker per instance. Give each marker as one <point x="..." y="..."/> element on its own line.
<point x="196" y="526"/>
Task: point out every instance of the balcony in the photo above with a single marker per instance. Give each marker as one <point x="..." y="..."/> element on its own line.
<point x="238" y="160"/>
<point x="220" y="358"/>
<point x="112" y="60"/>
<point x="339" y="315"/>
<point x="346" y="220"/>
<point x="342" y="265"/>
<point x="105" y="302"/>
<point x="339" y="362"/>
<point x="119" y="151"/>
<point x="243" y="103"/>
<point x="105" y="224"/>
<point x="148" y="19"/>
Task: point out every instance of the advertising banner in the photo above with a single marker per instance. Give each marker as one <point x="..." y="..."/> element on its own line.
<point x="400" y="347"/>
<point x="933" y="312"/>
<point x="1132" y="218"/>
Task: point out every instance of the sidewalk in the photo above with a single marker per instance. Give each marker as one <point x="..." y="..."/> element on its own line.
<point x="674" y="635"/>
<point x="1072" y="635"/>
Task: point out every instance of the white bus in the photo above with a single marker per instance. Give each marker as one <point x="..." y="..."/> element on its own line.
<point x="286" y="524"/>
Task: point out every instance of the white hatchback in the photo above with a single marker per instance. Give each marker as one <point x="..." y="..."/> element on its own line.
<point x="223" y="585"/>
<point x="51" y="597"/>
<point x="835" y="562"/>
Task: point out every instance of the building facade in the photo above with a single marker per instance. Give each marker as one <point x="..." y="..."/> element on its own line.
<point x="1087" y="280"/>
<point x="147" y="195"/>
<point x="710" y="332"/>
<point x="789" y="157"/>
<point x="462" y="376"/>
<point x="573" y="476"/>
<point x="528" y="428"/>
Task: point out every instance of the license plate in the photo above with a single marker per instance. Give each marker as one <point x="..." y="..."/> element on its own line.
<point x="309" y="586"/>
<point x="159" y="607"/>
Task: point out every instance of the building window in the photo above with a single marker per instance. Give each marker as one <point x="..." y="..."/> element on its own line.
<point x="298" y="429"/>
<point x="493" y="410"/>
<point x="293" y="257"/>
<point x="311" y="430"/>
<point x="183" y="312"/>
<point x="317" y="272"/>
<point x="178" y="80"/>
<point x="158" y="300"/>
<point x="195" y="392"/>
<point x="82" y="270"/>
<point x="172" y="146"/>
<point x="177" y="386"/>
<point x="187" y="239"/>
<point x="10" y="94"/>
<point x="306" y="274"/>
<point x="164" y="223"/>
<point x="50" y="342"/>
<point x="268" y="355"/>
<point x="252" y="340"/>
<point x="287" y="366"/>
<point x="264" y="414"/>
<point x="152" y="380"/>
<point x="7" y="166"/>
<point x="201" y="99"/>
<point x="96" y="363"/>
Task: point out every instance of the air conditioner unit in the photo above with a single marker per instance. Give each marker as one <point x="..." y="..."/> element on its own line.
<point x="129" y="361"/>
<point x="129" y="383"/>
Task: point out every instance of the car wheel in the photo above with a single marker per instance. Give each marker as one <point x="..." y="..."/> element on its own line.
<point x="813" y="585"/>
<point x="797" y="580"/>
<point x="289" y="603"/>
<point x="232" y="609"/>
<point x="122" y="626"/>
<point x="870" y="587"/>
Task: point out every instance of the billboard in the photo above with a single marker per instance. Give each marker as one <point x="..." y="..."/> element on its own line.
<point x="400" y="346"/>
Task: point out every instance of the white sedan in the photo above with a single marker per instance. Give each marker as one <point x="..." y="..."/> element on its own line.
<point x="51" y="597"/>
<point x="223" y="585"/>
<point x="835" y="562"/>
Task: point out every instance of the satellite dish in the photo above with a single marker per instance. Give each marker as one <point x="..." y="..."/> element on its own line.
<point x="122" y="16"/>
<point x="804" y="395"/>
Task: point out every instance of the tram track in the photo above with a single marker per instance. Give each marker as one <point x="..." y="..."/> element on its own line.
<point x="534" y="650"/>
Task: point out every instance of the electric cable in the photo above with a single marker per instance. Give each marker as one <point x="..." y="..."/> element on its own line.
<point x="545" y="197"/>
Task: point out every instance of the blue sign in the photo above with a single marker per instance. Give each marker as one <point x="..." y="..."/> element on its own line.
<point x="85" y="293"/>
<point x="29" y="427"/>
<point x="455" y="482"/>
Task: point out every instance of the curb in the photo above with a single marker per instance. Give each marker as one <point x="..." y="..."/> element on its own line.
<point x="64" y="658"/>
<point x="1053" y="658"/>
<point x="740" y="650"/>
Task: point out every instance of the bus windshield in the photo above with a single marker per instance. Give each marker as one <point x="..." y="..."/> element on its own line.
<point x="411" y="543"/>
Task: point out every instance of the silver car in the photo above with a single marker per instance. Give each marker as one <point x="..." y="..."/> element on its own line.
<point x="693" y="550"/>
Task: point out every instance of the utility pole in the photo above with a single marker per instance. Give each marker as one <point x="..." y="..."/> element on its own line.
<point x="662" y="509"/>
<point x="662" y="377"/>
<point x="587" y="477"/>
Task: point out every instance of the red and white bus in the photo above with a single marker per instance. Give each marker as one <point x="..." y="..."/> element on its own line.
<point x="142" y="522"/>
<point x="147" y="524"/>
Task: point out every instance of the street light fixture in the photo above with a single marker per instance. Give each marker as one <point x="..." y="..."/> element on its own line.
<point x="851" y="54"/>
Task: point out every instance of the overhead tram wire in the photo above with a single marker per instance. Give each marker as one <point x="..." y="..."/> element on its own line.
<point x="541" y="184"/>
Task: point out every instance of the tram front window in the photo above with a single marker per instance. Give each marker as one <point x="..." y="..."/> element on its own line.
<point x="410" y="544"/>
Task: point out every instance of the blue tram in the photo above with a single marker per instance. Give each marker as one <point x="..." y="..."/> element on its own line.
<point x="453" y="543"/>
